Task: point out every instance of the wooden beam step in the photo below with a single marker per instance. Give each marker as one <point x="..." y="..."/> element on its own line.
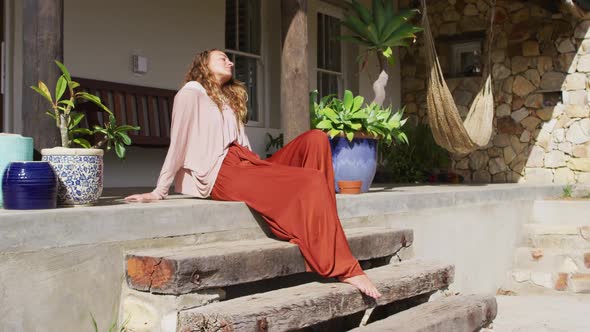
<point x="305" y="305"/>
<point x="187" y="269"/>
<point x="455" y="313"/>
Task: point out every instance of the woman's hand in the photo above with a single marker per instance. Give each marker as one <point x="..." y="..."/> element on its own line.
<point x="145" y="197"/>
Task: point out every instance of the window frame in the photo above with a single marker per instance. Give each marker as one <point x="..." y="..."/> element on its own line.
<point x="338" y="13"/>
<point x="457" y="49"/>
<point x="260" y="72"/>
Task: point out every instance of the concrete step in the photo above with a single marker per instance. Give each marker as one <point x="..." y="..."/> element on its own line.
<point x="556" y="236"/>
<point x="188" y="269"/>
<point x="309" y="304"/>
<point x="560" y="212"/>
<point x="552" y="260"/>
<point x="525" y="282"/>
<point x="455" y="313"/>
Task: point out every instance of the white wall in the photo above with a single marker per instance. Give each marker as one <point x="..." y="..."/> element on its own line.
<point x="100" y="38"/>
<point x="478" y="239"/>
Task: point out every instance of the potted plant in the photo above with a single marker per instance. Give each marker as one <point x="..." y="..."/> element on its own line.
<point x="274" y="144"/>
<point x="79" y="170"/>
<point x="354" y="129"/>
<point x="379" y="31"/>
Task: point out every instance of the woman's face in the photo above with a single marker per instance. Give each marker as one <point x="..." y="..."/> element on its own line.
<point x="220" y="66"/>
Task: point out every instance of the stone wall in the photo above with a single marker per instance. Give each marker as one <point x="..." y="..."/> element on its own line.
<point x="541" y="64"/>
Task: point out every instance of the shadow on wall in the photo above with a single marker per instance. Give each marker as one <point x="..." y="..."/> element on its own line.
<point x="540" y="63"/>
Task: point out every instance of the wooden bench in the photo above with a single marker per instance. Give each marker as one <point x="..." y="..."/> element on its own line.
<point x="149" y="108"/>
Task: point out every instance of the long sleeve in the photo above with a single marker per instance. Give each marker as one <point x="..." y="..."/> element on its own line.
<point x="243" y="138"/>
<point x="199" y="140"/>
<point x="183" y="114"/>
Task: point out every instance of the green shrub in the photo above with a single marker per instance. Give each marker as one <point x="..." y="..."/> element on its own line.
<point x="414" y="161"/>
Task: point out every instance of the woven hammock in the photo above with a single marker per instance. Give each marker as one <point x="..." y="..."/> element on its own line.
<point x="448" y="129"/>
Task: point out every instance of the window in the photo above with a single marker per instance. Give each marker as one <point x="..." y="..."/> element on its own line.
<point x="242" y="43"/>
<point x="329" y="67"/>
<point x="466" y="60"/>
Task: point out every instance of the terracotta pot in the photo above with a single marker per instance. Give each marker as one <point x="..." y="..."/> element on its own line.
<point x="350" y="187"/>
<point x="361" y="134"/>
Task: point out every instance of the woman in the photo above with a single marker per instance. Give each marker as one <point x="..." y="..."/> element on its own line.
<point x="210" y="155"/>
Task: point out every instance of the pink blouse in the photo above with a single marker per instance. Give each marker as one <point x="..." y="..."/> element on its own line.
<point x="200" y="136"/>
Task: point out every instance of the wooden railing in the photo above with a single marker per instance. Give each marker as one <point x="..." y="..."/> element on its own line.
<point x="146" y="107"/>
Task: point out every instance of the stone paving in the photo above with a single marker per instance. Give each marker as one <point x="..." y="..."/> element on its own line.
<point x="543" y="313"/>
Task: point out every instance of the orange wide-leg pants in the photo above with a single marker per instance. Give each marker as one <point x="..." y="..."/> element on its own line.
<point x="294" y="192"/>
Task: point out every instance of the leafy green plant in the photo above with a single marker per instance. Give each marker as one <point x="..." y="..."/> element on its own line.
<point x="350" y="115"/>
<point x="62" y="111"/>
<point x="567" y="191"/>
<point x="113" y="326"/>
<point x="274" y="142"/>
<point x="380" y="31"/>
<point x="412" y="162"/>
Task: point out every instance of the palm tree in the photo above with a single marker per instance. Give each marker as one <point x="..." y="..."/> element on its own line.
<point x="380" y="31"/>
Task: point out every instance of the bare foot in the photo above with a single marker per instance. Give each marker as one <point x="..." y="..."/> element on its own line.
<point x="364" y="284"/>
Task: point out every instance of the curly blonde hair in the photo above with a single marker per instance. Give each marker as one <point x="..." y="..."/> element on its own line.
<point x="232" y="92"/>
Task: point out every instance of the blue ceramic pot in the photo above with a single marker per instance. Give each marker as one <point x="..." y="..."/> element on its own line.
<point x="14" y="148"/>
<point x="29" y="185"/>
<point x="353" y="161"/>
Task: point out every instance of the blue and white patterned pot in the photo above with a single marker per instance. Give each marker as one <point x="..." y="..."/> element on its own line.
<point x="354" y="161"/>
<point x="80" y="174"/>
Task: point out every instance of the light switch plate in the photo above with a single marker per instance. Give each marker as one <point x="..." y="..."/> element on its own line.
<point x="140" y="64"/>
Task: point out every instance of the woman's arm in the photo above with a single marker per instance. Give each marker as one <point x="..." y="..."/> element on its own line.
<point x="185" y="104"/>
<point x="244" y="138"/>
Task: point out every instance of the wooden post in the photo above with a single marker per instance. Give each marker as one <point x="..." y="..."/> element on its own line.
<point x="42" y="44"/>
<point x="294" y="69"/>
